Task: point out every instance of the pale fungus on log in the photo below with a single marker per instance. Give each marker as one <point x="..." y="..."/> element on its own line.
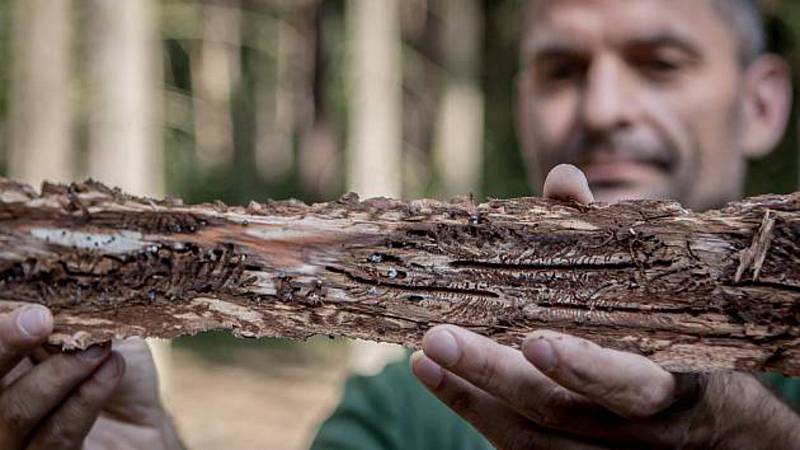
<point x="692" y="291"/>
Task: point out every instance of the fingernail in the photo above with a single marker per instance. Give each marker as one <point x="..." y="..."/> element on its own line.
<point x="540" y="352"/>
<point x="426" y="370"/>
<point x="32" y="321"/>
<point x="442" y="347"/>
<point x="109" y="370"/>
<point x="93" y="353"/>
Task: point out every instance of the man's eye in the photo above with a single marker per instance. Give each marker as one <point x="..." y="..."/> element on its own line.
<point x="554" y="73"/>
<point x="660" y="67"/>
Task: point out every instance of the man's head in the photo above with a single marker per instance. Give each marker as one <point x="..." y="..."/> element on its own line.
<point x="651" y="98"/>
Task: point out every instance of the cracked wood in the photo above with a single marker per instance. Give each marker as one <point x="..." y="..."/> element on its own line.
<point x="694" y="292"/>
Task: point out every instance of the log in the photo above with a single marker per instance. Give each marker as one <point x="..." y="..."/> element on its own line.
<point x="718" y="290"/>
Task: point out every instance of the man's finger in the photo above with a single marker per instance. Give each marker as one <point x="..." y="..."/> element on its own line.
<point x="567" y="182"/>
<point x="503" y="372"/>
<point x="32" y="397"/>
<point x="44" y="351"/>
<point x="14" y="374"/>
<point x="21" y="332"/>
<point x="628" y="384"/>
<point x="503" y="426"/>
<point x="68" y="426"/>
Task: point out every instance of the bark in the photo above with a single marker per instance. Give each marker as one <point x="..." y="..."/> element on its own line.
<point x="693" y="292"/>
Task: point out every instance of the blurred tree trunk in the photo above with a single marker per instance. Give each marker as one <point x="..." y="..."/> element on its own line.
<point x="317" y="149"/>
<point x="293" y="108"/>
<point x="459" y="127"/>
<point x="125" y="123"/>
<point x="40" y="111"/>
<point x="274" y="122"/>
<point x="125" y="145"/>
<point x="376" y="95"/>
<point x="421" y="86"/>
<point x="375" y="135"/>
<point x="216" y="67"/>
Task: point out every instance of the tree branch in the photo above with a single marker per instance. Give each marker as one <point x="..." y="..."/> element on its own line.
<point x="693" y="292"/>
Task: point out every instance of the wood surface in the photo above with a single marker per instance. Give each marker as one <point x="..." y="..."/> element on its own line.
<point x="692" y="291"/>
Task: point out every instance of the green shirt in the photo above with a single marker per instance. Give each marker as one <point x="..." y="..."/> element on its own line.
<point x="393" y="411"/>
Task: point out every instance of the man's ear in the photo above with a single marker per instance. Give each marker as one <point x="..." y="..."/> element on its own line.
<point x="768" y="99"/>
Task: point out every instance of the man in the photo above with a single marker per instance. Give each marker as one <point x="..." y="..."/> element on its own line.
<point x="650" y="98"/>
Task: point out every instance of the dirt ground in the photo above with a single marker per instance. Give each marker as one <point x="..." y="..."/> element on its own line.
<point x="253" y="399"/>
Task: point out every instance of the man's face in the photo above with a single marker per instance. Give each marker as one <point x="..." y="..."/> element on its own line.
<point x="643" y="95"/>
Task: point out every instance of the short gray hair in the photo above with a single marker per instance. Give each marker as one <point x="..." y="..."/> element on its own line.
<point x="747" y="22"/>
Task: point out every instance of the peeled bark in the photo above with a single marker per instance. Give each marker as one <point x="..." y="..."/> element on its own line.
<point x="694" y="292"/>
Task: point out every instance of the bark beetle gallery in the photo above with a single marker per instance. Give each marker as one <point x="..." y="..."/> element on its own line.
<point x="694" y="292"/>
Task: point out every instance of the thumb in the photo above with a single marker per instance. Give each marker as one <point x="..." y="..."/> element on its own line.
<point x="567" y="182"/>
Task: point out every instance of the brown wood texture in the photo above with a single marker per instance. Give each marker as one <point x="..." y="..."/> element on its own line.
<point x="694" y="292"/>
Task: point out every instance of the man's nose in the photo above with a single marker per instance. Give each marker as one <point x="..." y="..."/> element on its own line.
<point x="607" y="103"/>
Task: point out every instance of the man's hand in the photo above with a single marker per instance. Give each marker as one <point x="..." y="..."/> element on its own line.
<point x="134" y="417"/>
<point x="561" y="391"/>
<point x="53" y="404"/>
<point x="52" y="400"/>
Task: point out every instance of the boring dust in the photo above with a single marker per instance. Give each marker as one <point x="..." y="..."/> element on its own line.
<point x="246" y="397"/>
